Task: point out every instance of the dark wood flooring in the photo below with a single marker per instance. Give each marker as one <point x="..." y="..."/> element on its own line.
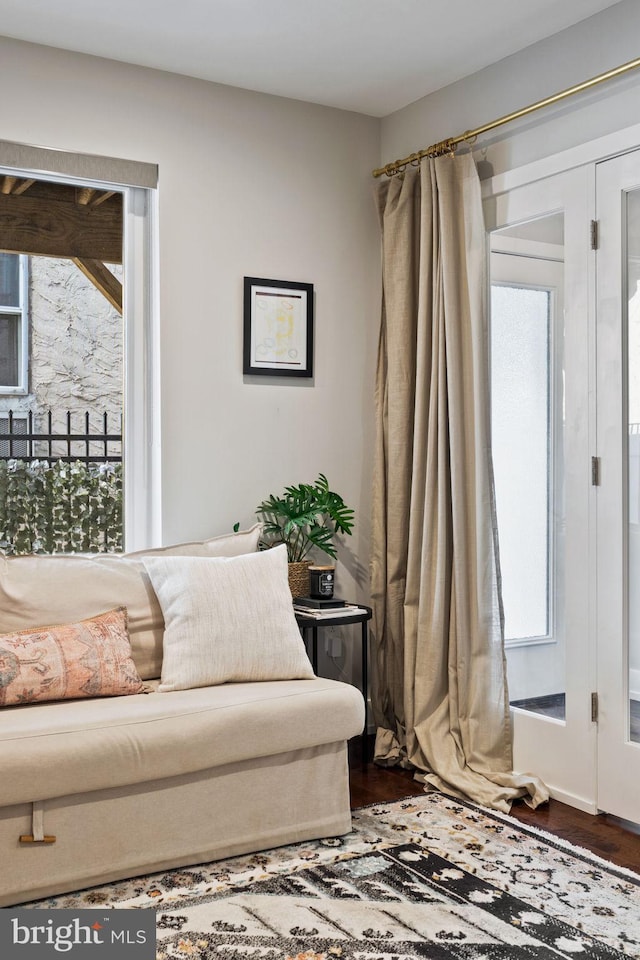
<point x="608" y="837"/>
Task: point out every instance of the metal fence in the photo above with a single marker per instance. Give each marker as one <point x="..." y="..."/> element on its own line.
<point x="26" y="437"/>
<point x="60" y="483"/>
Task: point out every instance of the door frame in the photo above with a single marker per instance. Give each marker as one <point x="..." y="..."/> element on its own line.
<point x="591" y="152"/>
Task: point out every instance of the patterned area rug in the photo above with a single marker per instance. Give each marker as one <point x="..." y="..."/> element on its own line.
<point x="429" y="876"/>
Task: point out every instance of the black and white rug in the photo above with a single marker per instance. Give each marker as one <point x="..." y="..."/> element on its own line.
<point x="428" y="877"/>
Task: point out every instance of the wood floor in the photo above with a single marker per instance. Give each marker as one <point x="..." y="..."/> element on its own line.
<point x="606" y="836"/>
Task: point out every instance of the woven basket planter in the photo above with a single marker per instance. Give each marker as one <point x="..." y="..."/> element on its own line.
<point x="299" y="579"/>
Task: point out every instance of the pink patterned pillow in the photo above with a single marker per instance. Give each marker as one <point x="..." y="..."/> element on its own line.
<point x="91" y="658"/>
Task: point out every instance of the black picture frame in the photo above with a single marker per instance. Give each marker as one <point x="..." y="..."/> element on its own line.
<point x="278" y="328"/>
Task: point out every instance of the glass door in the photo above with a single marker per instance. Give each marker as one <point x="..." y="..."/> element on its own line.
<point x="618" y="497"/>
<point x="541" y="351"/>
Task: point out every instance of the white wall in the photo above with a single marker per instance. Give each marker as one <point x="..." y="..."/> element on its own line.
<point x="248" y="185"/>
<point x="591" y="47"/>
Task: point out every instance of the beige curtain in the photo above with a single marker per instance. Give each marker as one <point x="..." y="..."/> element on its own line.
<point x="439" y="691"/>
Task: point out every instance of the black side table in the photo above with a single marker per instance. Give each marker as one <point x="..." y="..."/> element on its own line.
<point x="311" y="625"/>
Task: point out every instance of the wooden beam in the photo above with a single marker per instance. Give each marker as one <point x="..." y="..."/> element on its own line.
<point x="106" y="195"/>
<point x="88" y="196"/>
<point x="15" y="186"/>
<point x="102" y="278"/>
<point x="48" y="227"/>
<point x="84" y="194"/>
<point x="22" y="187"/>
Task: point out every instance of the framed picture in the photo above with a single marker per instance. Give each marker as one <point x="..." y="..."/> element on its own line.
<point x="278" y="328"/>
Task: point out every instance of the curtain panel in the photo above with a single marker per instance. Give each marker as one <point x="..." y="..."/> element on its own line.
<point x="439" y="689"/>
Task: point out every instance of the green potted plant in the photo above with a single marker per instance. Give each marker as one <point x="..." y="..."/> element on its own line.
<point x="304" y="516"/>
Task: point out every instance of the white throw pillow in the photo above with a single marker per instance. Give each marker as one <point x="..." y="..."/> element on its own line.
<point x="227" y="619"/>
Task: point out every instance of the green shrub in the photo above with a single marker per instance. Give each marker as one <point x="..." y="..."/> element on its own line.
<point x="60" y="507"/>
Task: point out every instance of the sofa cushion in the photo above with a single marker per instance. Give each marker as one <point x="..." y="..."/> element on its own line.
<point x="65" y="588"/>
<point x="58" y="749"/>
<point x="90" y="658"/>
<point x="227" y="545"/>
<point x="227" y="619"/>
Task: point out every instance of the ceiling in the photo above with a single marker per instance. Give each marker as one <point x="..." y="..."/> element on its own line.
<point x="370" y="56"/>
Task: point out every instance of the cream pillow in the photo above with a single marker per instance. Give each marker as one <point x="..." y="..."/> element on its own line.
<point x="64" y="588"/>
<point x="227" y="619"/>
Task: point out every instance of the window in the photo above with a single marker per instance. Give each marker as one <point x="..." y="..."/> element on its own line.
<point x="87" y="186"/>
<point x="13" y="324"/>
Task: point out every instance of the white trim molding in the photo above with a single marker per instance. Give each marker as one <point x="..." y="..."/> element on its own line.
<point x="593" y="151"/>
<point x="43" y="161"/>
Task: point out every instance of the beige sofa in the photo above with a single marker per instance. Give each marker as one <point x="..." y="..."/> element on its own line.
<point x="128" y="785"/>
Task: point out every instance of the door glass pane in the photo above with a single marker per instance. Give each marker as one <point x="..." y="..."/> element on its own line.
<point x="527" y="411"/>
<point x="520" y="414"/>
<point x="633" y="326"/>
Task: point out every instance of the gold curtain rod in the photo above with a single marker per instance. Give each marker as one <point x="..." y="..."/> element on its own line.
<point x="449" y="146"/>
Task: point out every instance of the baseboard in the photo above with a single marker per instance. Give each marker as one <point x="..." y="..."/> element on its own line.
<point x="587" y="806"/>
<point x="634" y="684"/>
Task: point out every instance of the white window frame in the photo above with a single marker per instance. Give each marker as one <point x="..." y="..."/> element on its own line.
<point x="141" y="421"/>
<point x="22" y="387"/>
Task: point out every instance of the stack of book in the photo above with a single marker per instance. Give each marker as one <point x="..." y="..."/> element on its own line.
<point x="326" y="609"/>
